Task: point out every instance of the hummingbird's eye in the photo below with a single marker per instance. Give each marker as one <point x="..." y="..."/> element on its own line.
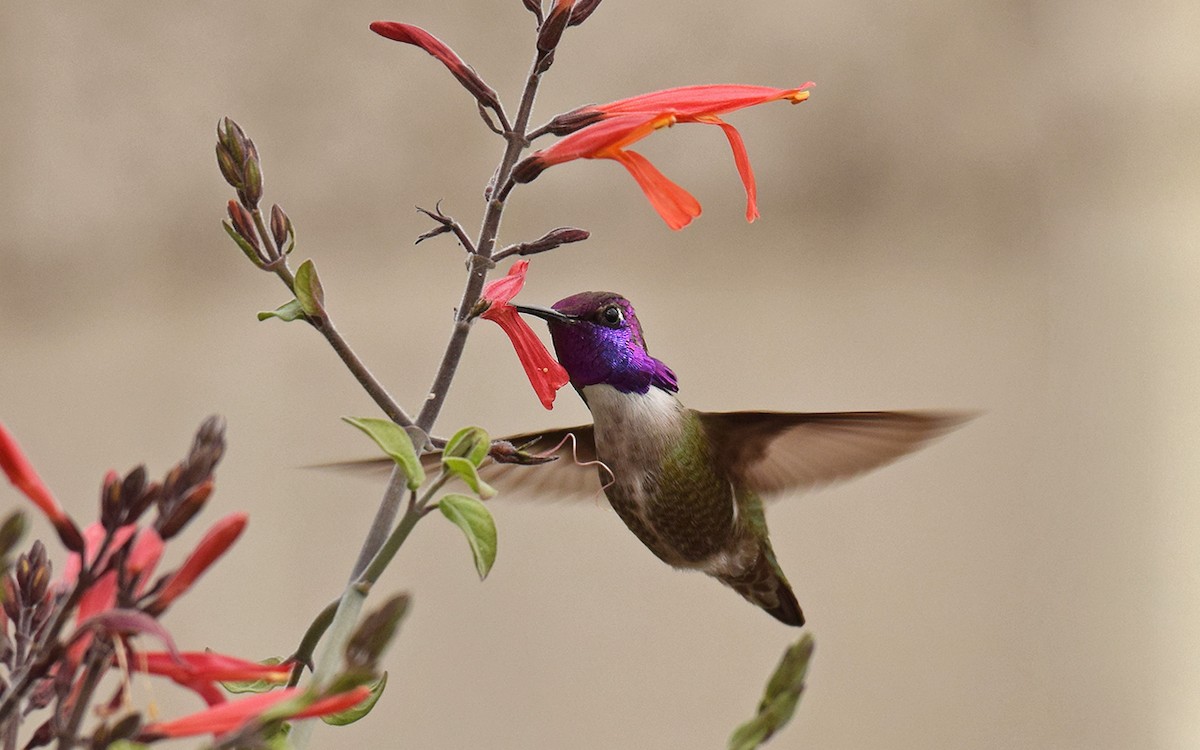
<point x="611" y="315"/>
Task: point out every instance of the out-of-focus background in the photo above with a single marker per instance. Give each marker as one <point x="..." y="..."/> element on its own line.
<point x="989" y="206"/>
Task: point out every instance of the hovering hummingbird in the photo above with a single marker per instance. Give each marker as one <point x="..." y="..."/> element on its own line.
<point x="690" y="484"/>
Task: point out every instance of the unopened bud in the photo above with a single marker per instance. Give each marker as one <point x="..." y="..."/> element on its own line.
<point x="576" y="119"/>
<point x="252" y="190"/>
<point x="583" y="9"/>
<point x="552" y="239"/>
<point x="552" y="28"/>
<point x="281" y="228"/>
<point x="187" y="508"/>
<point x="243" y="222"/>
<point x="528" y="169"/>
<point x="230" y="168"/>
<point x="534" y="7"/>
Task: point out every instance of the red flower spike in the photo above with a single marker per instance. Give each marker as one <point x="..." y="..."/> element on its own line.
<point x="418" y="37"/>
<point x="214" y="544"/>
<point x="22" y="475"/>
<point x="629" y="120"/>
<point x="545" y="374"/>
<point x="233" y="714"/>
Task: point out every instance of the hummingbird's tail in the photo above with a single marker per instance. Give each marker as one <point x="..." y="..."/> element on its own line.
<point x="762" y="583"/>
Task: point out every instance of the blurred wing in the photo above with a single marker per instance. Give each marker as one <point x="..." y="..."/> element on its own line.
<point x="570" y="476"/>
<point x="771" y="452"/>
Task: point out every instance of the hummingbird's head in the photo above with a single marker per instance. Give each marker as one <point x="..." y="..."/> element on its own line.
<point x="598" y="339"/>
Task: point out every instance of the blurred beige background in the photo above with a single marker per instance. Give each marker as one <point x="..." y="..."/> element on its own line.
<point x="984" y="205"/>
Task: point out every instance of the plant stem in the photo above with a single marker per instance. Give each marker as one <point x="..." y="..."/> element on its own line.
<point x="481" y="261"/>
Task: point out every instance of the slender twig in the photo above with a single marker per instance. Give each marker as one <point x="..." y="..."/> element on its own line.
<point x="481" y="260"/>
<point x="97" y="665"/>
<point x="325" y="325"/>
<point x="448" y="223"/>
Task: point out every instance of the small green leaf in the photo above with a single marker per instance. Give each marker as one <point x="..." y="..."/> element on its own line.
<point x="253" y="686"/>
<point x="351" y="715"/>
<point x="465" y="470"/>
<point x="780" y="698"/>
<point x="246" y="247"/>
<point x="127" y="745"/>
<point x="287" y="312"/>
<point x="395" y="441"/>
<point x="308" y="289"/>
<point x="471" y="443"/>
<point x="476" y="522"/>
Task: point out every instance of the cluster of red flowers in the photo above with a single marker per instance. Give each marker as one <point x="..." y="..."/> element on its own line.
<point x="107" y="581"/>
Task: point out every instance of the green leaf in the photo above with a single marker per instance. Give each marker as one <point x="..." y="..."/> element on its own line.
<point x="465" y="470"/>
<point x="246" y="247"/>
<point x="395" y="441"/>
<point x="351" y="715"/>
<point x="287" y="312"/>
<point x="127" y="745"/>
<point x="308" y="289"/>
<point x="471" y="443"/>
<point x="476" y="522"/>
<point x="780" y="698"/>
<point x="253" y="686"/>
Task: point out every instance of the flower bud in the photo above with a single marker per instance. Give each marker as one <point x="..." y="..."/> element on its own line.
<point x="553" y="239"/>
<point x="576" y="119"/>
<point x="243" y="223"/>
<point x="553" y="27"/>
<point x="281" y="228"/>
<point x="583" y="9"/>
<point x="188" y="507"/>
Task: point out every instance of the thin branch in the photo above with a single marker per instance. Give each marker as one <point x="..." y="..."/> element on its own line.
<point x="447" y="224"/>
<point x="481" y="260"/>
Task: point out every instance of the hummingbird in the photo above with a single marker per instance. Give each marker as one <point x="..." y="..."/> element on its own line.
<point x="690" y="484"/>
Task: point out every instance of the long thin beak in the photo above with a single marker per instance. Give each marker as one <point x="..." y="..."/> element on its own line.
<point x="545" y="313"/>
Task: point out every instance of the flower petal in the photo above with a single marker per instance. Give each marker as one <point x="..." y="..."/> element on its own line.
<point x="675" y="205"/>
<point x="694" y="101"/>
<point x="506" y="287"/>
<point x="741" y="159"/>
<point x="545" y="374"/>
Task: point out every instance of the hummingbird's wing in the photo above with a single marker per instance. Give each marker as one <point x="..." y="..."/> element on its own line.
<point x="573" y="475"/>
<point x="770" y="452"/>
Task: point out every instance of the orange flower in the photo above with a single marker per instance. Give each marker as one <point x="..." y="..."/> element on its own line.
<point x="545" y="374"/>
<point x="616" y="125"/>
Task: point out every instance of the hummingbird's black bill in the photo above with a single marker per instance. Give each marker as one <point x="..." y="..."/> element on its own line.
<point x="545" y="313"/>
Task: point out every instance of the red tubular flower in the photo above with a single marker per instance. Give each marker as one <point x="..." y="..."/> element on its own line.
<point x="627" y="121"/>
<point x="199" y="672"/>
<point x="22" y="475"/>
<point x="214" y="544"/>
<point x="545" y="374"/>
<point x="233" y="714"/>
<point x="418" y="37"/>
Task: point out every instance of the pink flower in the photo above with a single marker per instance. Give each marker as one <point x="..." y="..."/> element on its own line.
<point x="545" y="374"/>
<point x="616" y="125"/>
